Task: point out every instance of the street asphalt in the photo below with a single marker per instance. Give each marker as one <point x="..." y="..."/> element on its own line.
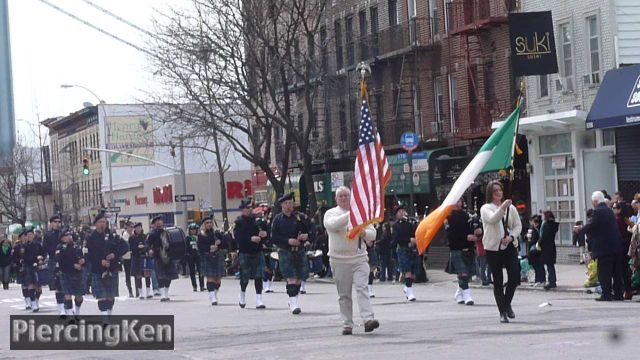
<point x="562" y="324"/>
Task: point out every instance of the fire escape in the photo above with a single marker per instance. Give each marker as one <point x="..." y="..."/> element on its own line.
<point x="470" y="24"/>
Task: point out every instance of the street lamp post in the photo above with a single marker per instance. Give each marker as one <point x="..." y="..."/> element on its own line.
<point x="106" y="134"/>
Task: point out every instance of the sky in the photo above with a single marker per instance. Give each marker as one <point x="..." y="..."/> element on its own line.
<point x="49" y="49"/>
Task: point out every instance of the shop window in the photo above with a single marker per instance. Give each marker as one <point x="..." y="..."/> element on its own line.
<point x="608" y="137"/>
<point x="554" y="144"/>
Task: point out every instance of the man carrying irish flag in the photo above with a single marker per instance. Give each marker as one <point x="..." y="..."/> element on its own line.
<point x="501" y="217"/>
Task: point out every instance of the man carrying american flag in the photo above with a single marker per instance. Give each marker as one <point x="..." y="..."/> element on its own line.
<point x="349" y="225"/>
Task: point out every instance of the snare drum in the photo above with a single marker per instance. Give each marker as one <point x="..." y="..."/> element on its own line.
<point x="274" y="255"/>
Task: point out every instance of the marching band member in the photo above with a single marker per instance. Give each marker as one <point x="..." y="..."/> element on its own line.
<point x="213" y="248"/>
<point x="165" y="267"/>
<point x="403" y="236"/>
<point x="462" y="257"/>
<point x="50" y="243"/>
<point x="289" y="232"/>
<point x="192" y="256"/>
<point x="249" y="238"/>
<point x="70" y="262"/>
<point x="141" y="262"/>
<point x="33" y="256"/>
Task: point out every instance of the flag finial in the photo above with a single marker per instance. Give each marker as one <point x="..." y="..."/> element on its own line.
<point x="364" y="68"/>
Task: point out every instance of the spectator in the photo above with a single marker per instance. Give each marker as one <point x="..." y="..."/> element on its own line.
<point x="481" y="256"/>
<point x="5" y="261"/>
<point x="579" y="240"/>
<point x="619" y="209"/>
<point x="606" y="247"/>
<point x="383" y="247"/>
<point x="535" y="256"/>
<point x="547" y="243"/>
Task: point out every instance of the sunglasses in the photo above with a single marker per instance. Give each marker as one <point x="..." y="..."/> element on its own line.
<point x="57" y="221"/>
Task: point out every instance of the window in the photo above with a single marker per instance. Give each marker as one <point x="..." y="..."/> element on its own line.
<point x="448" y="15"/>
<point x="342" y="115"/>
<point x="393" y="12"/>
<point x="411" y="7"/>
<point x="338" y="36"/>
<point x="453" y="103"/>
<point x="373" y="15"/>
<point x="566" y="57"/>
<point x="554" y="144"/>
<point x="543" y="85"/>
<point x="433" y="15"/>
<point x="323" y="48"/>
<point x="608" y="137"/>
<point x="364" y="50"/>
<point x="349" y="39"/>
<point x="490" y="83"/>
<point x="594" y="43"/>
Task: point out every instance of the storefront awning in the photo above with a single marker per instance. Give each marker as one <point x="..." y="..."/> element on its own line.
<point x="618" y="100"/>
<point x="566" y="120"/>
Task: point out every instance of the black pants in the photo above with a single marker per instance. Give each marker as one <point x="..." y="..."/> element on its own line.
<point x="611" y="267"/>
<point x="507" y="259"/>
<point x="126" y="263"/>
<point x="194" y="266"/>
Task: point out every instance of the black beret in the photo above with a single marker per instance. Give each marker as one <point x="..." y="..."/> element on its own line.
<point x="23" y="232"/>
<point x="210" y="217"/>
<point x="137" y="224"/>
<point x="397" y="207"/>
<point x="244" y="203"/>
<point x="99" y="216"/>
<point x="156" y="218"/>
<point x="286" y="197"/>
<point x="65" y="232"/>
<point x="54" y="218"/>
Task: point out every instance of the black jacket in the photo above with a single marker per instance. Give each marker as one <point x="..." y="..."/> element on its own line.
<point x="246" y="227"/>
<point x="67" y="255"/>
<point x="602" y="230"/>
<point x="5" y="257"/>
<point x="547" y="241"/>
<point x="458" y="230"/>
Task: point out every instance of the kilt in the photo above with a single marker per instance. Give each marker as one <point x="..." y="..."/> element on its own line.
<point x="140" y="264"/>
<point x="213" y="267"/>
<point x="104" y="288"/>
<point x="20" y="277"/>
<point x="166" y="271"/>
<point x="53" y="277"/>
<point x="251" y="266"/>
<point x="462" y="262"/>
<point x="293" y="265"/>
<point x="72" y="283"/>
<point x="407" y="259"/>
<point x="373" y="257"/>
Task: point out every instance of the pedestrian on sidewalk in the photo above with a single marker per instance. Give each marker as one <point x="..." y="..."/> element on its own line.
<point x="535" y="255"/>
<point x="462" y="255"/>
<point x="622" y="213"/>
<point x="349" y="263"/>
<point x="606" y="247"/>
<point x="547" y="243"/>
<point x="501" y="229"/>
<point x="383" y="248"/>
<point x="579" y="240"/>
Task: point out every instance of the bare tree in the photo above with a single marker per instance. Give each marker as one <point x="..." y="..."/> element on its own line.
<point x="245" y="67"/>
<point x="13" y="184"/>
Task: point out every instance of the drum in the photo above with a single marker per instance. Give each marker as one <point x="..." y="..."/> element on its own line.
<point x="315" y="261"/>
<point x="274" y="255"/>
<point x="173" y="244"/>
<point x="42" y="275"/>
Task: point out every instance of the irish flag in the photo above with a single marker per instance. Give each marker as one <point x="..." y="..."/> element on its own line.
<point x="495" y="154"/>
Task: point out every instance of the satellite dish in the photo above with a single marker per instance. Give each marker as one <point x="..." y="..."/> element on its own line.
<point x="87" y="104"/>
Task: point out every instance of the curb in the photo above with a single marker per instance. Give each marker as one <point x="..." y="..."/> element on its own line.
<point x="559" y="289"/>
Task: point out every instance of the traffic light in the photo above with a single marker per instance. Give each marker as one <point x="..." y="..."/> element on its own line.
<point x="85" y="167"/>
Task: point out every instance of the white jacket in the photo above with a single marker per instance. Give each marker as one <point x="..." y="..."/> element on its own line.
<point x="492" y="217"/>
<point x="341" y="249"/>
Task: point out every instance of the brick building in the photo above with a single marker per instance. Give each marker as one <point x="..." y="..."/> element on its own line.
<point x="440" y="68"/>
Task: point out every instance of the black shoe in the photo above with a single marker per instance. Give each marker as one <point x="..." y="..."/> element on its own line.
<point x="296" y="311"/>
<point x="130" y="294"/>
<point x="510" y="313"/>
<point x="550" y="286"/>
<point x="347" y="331"/>
<point x="371" y="325"/>
<point x="303" y="292"/>
<point x="503" y="318"/>
<point x="202" y="289"/>
<point x="195" y="289"/>
<point x="602" y="298"/>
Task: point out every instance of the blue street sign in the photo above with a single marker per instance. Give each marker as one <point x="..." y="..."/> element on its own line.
<point x="409" y="141"/>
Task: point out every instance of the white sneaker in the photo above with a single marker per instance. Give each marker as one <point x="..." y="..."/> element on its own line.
<point x="35" y="306"/>
<point x="259" y="303"/>
<point x="371" y="294"/>
<point x="459" y="298"/>
<point x="27" y="303"/>
<point x="410" y="295"/>
<point x="404" y="289"/>
<point x="242" y="299"/>
<point x="293" y="305"/>
<point x="61" y="309"/>
<point x="466" y="295"/>
<point x="267" y="286"/>
<point x="302" y="289"/>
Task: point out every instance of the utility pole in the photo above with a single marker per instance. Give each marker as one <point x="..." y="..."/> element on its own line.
<point x="7" y="120"/>
<point x="183" y="175"/>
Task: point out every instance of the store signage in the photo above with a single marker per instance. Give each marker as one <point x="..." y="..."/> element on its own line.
<point x="163" y="195"/>
<point x="558" y="162"/>
<point x="141" y="200"/>
<point x="237" y="189"/>
<point x="533" y="49"/>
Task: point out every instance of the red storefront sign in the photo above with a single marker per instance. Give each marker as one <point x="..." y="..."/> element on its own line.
<point x="236" y="189"/>
<point x="163" y="195"/>
<point x="141" y="200"/>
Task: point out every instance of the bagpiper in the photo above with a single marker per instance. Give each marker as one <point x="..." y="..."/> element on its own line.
<point x="35" y="268"/>
<point x="289" y="232"/>
<point x="104" y="251"/>
<point x="141" y="262"/>
<point x="193" y="257"/>
<point x="70" y="263"/>
<point x="403" y="236"/>
<point x="249" y="237"/>
<point x="50" y="243"/>
<point x="165" y="267"/>
<point x="213" y="248"/>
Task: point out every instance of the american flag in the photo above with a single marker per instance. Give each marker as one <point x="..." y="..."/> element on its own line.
<point x="371" y="174"/>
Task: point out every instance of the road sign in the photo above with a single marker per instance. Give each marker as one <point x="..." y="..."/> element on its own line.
<point x="409" y="141"/>
<point x="113" y="209"/>
<point x="185" y="198"/>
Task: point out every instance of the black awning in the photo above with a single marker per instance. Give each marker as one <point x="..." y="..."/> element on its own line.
<point x="618" y="100"/>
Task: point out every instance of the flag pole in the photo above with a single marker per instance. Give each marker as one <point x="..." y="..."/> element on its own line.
<point x="511" y="180"/>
